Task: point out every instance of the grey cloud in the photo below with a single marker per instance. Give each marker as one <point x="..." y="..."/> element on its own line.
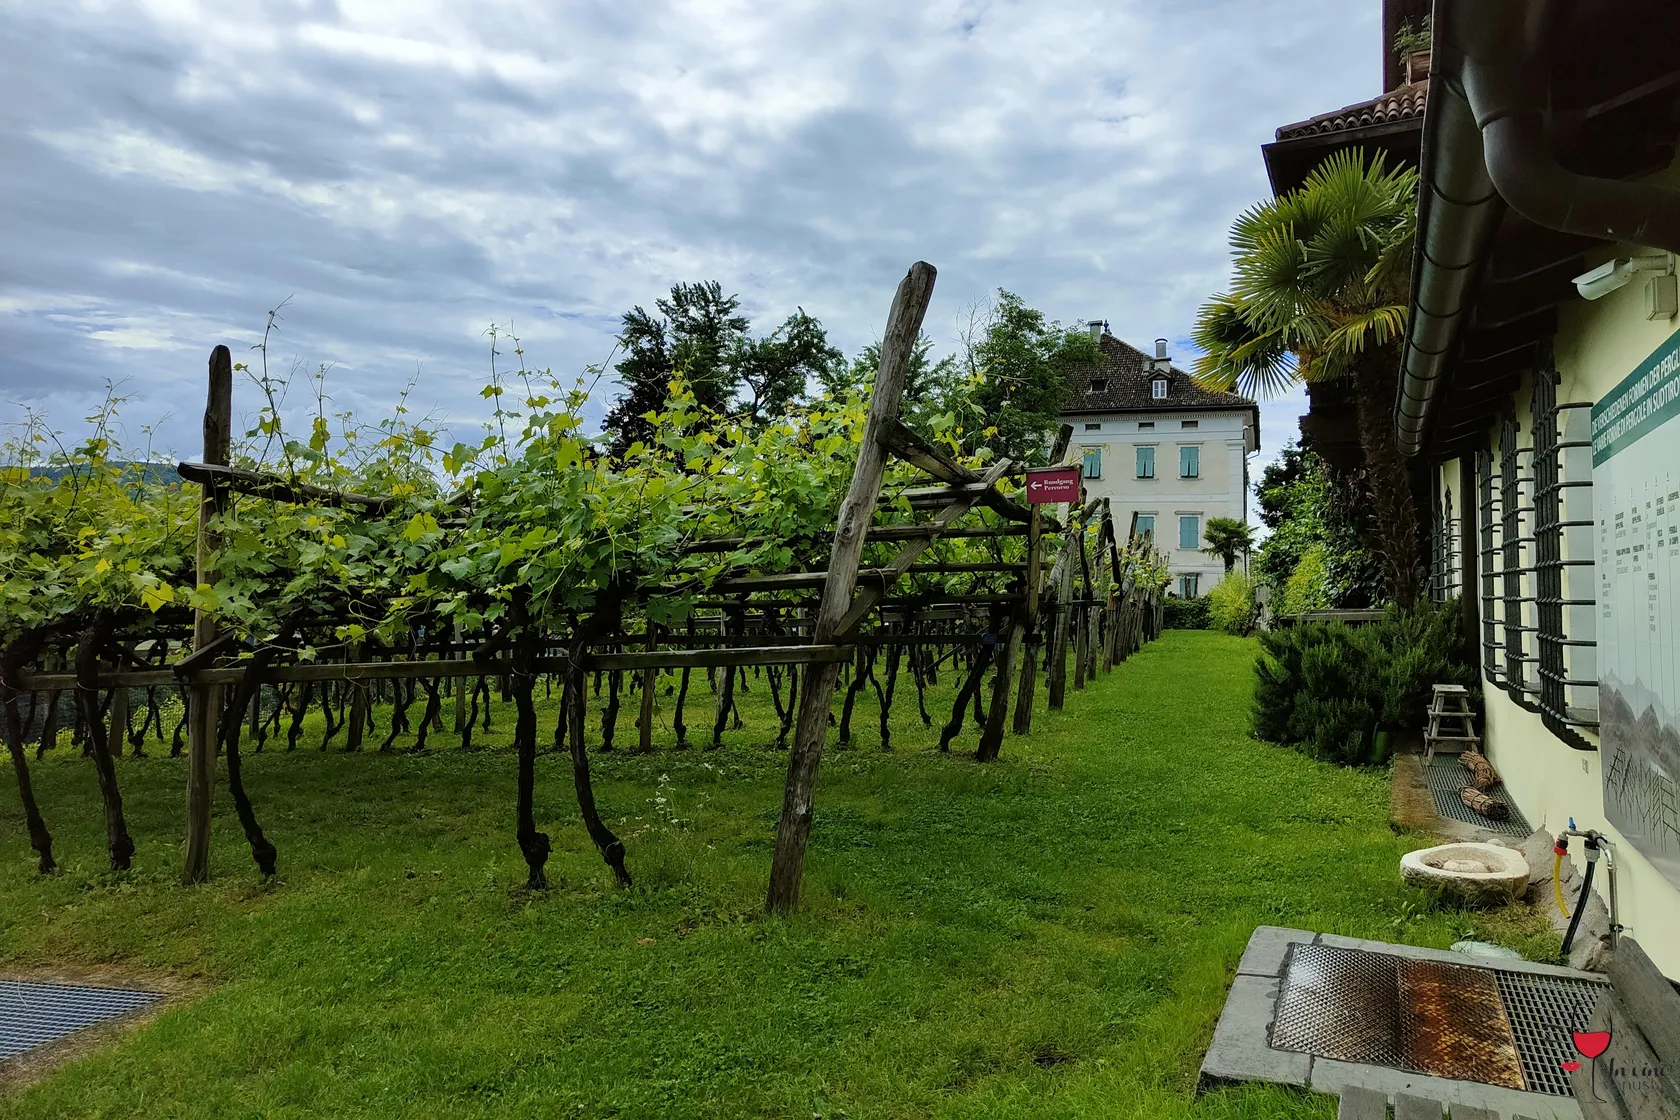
<point x="407" y="181"/>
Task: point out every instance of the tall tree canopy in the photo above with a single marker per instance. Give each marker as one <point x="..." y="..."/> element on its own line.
<point x="1017" y="368"/>
<point x="1319" y="290"/>
<point x="700" y="334"/>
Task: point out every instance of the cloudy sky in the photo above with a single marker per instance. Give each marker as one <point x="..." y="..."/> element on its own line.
<point x="408" y="173"/>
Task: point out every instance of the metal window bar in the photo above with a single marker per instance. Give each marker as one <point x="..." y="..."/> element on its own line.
<point x="1514" y="569"/>
<point x="1558" y="716"/>
<point x="1488" y="501"/>
<point x="1450" y="545"/>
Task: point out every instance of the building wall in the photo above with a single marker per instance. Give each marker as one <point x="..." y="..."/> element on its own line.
<point x="1597" y="345"/>
<point x="1222" y="440"/>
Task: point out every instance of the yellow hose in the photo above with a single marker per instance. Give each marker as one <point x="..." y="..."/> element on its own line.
<point x="1557" y="882"/>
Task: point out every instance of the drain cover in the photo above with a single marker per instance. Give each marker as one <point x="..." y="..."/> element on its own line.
<point x="1446" y="1020"/>
<point x="34" y="1014"/>
<point x="1447" y="778"/>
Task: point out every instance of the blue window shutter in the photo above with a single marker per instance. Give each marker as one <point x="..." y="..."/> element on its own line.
<point x="1093" y="462"/>
<point x="1146" y="525"/>
<point x="1146" y="462"/>
<point x="1190" y="532"/>
<point x="1189" y="462"/>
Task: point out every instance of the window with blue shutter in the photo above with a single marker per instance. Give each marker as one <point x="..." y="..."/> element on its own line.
<point x="1093" y="462"/>
<point x="1146" y="462"/>
<point x="1146" y="526"/>
<point x="1190" y="531"/>
<point x="1189" y="462"/>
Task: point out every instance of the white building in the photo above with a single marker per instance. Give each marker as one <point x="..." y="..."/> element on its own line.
<point x="1167" y="453"/>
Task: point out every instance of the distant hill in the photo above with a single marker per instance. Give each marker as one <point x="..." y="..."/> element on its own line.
<point x="153" y="472"/>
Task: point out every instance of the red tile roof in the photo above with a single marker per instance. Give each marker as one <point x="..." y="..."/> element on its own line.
<point x="1126" y="372"/>
<point x="1405" y="103"/>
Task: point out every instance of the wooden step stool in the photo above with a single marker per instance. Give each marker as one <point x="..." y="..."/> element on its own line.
<point x="1452" y="728"/>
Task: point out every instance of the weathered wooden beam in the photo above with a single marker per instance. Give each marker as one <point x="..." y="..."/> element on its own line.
<point x="204" y="702"/>
<point x="869" y="595"/>
<point x="259" y="484"/>
<point x="918" y="452"/>
<point x="793" y="830"/>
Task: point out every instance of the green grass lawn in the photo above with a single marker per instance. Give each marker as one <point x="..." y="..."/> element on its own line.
<point x="1048" y="936"/>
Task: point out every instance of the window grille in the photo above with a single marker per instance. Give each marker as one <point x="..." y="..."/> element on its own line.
<point x="1488" y="523"/>
<point x="1566" y="626"/>
<point x="1516" y="567"/>
<point x="1453" y="585"/>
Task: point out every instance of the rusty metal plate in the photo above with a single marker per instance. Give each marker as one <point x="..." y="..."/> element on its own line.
<point x="1444" y="1020"/>
<point x="1453" y="1024"/>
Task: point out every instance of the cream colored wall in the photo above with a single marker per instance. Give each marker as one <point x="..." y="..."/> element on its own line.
<point x="1217" y="491"/>
<point x="1598" y="344"/>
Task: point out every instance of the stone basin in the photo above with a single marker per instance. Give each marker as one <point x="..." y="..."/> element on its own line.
<point x="1485" y="874"/>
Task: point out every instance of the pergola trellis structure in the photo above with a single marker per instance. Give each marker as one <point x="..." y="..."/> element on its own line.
<point x="809" y="623"/>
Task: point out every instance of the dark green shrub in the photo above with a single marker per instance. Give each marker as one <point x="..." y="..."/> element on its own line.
<point x="1185" y="614"/>
<point x="1329" y="688"/>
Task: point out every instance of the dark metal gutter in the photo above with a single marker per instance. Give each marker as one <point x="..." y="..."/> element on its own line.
<point x="1486" y="145"/>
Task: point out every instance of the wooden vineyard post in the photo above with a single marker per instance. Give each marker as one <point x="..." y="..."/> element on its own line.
<point x="1080" y="613"/>
<point x="205" y="701"/>
<point x="1064" y="619"/>
<point x="650" y="679"/>
<point x="1035" y="580"/>
<point x="1029" y="663"/>
<point x="793" y="830"/>
<point x="460" y="690"/>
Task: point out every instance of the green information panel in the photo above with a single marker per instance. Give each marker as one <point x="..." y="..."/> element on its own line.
<point x="1636" y="504"/>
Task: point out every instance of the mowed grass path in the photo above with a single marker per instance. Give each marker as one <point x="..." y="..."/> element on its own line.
<point x="1048" y="936"/>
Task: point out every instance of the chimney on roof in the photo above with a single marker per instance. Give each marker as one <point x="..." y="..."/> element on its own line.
<point x="1098" y="328"/>
<point x="1160" y="362"/>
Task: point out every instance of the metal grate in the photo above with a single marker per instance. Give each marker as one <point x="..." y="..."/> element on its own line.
<point x="1342" y="1004"/>
<point x="1447" y="777"/>
<point x="1543" y="1011"/>
<point x="1464" y="1022"/>
<point x="34" y="1014"/>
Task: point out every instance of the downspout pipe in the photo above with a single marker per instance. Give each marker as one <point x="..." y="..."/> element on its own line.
<point x="1499" y="92"/>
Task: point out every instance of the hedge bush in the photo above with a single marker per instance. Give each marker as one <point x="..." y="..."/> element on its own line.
<point x="1185" y="614"/>
<point x="1231" y="605"/>
<point x="1330" y="688"/>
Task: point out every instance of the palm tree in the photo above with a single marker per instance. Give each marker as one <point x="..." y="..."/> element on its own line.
<point x="1227" y="538"/>
<point x="1319" y="290"/>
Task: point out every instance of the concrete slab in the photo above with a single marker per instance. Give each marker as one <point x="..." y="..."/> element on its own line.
<point x="1329" y="1076"/>
<point x="1408" y="1107"/>
<point x="1362" y="1104"/>
<point x="1267" y="947"/>
<point x="1240" y="1050"/>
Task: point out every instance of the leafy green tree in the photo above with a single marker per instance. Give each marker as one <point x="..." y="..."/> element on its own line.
<point x="1017" y="368"/>
<point x="695" y="334"/>
<point x="775" y="371"/>
<point x="1320" y="527"/>
<point x="930" y="387"/>
<point x="1319" y="292"/>
<point x="1227" y="539"/>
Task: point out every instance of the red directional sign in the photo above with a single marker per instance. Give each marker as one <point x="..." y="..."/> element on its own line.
<point x="1053" y="484"/>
